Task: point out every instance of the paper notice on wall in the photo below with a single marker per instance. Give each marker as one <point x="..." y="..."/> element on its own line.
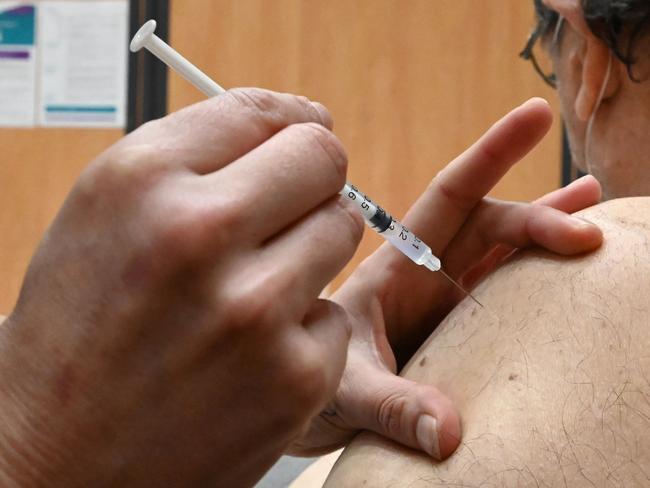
<point x="83" y="52"/>
<point x="17" y="64"/>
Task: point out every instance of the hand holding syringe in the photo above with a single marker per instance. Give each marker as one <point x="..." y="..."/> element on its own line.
<point x="377" y="218"/>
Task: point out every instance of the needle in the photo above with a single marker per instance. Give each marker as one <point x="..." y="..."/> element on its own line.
<point x="460" y="287"/>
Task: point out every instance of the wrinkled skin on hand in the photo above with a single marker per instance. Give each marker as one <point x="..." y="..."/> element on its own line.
<point x="396" y="304"/>
<point x="169" y="330"/>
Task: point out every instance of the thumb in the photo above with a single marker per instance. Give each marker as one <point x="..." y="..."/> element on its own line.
<point x="418" y="416"/>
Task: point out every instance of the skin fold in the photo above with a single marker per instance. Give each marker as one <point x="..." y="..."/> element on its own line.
<point x="551" y="378"/>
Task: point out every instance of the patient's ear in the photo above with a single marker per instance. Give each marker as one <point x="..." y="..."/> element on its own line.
<point x="596" y="70"/>
<point x="593" y="59"/>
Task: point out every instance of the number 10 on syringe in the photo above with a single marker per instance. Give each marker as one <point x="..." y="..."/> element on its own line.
<point x="391" y="230"/>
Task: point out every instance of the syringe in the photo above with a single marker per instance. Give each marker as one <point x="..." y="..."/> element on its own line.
<point x="391" y="230"/>
<point x="376" y="217"/>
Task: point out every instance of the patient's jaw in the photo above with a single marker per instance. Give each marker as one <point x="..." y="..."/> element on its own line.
<point x="552" y="378"/>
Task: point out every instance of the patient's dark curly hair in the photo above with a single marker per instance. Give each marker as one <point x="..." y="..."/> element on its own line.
<point x="621" y="24"/>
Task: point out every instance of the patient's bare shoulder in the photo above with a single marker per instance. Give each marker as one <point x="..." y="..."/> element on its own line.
<point x="552" y="378"/>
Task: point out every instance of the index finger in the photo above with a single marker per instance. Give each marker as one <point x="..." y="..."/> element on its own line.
<point x="207" y="136"/>
<point x="443" y="208"/>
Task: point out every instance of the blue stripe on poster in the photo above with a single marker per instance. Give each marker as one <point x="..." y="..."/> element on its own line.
<point x="72" y="109"/>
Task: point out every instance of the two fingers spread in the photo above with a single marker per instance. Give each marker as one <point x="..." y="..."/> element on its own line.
<point x="455" y="220"/>
<point x="442" y="210"/>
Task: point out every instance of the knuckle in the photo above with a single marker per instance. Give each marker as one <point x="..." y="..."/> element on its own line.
<point x="221" y="219"/>
<point x="264" y="103"/>
<point x="321" y="140"/>
<point x="124" y="167"/>
<point x="249" y="312"/>
<point x="252" y="301"/>
<point x="309" y="377"/>
<point x="451" y="193"/>
<point x="390" y="413"/>
<point x="272" y="107"/>
<point x="312" y="113"/>
<point x="178" y="232"/>
<point x="482" y="218"/>
<point x="306" y="105"/>
<point x="191" y="229"/>
<point x="187" y="231"/>
<point x="291" y="419"/>
<point x="237" y="312"/>
<point x="342" y="317"/>
<point x="489" y="157"/>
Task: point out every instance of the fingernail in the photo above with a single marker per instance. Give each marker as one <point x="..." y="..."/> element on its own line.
<point x="582" y="179"/>
<point x="426" y="433"/>
<point x="535" y="100"/>
<point x="326" y="118"/>
<point x="581" y="224"/>
<point x="577" y="181"/>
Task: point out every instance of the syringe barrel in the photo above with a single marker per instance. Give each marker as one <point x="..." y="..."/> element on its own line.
<point x="387" y="227"/>
<point x="406" y="241"/>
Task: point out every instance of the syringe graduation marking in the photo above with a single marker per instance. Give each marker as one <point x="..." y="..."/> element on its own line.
<point x="375" y="215"/>
<point x="390" y="229"/>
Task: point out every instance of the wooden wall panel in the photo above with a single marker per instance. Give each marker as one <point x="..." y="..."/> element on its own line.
<point x="37" y="169"/>
<point x="410" y="83"/>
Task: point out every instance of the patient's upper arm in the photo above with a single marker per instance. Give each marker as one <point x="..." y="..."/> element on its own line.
<point x="552" y="378"/>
